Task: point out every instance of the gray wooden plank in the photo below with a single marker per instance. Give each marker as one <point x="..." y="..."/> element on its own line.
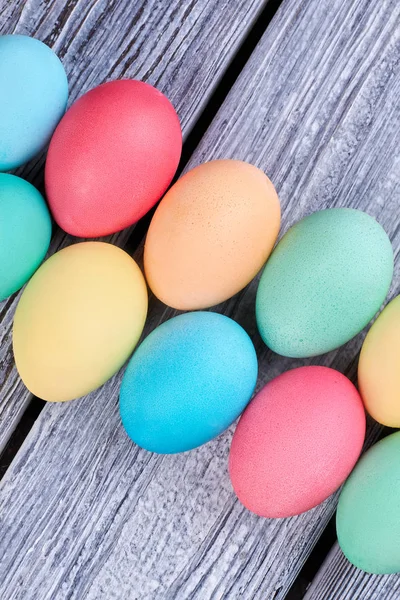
<point x="182" y="48"/>
<point x="340" y="580"/>
<point x="87" y="514"/>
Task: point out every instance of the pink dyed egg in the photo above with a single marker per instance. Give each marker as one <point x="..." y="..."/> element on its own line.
<point x="296" y="442"/>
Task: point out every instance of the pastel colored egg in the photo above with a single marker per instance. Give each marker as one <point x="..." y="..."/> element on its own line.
<point x="112" y="157"/>
<point x="211" y="234"/>
<point x="296" y="442"/>
<point x="324" y="282"/>
<point x="187" y="382"/>
<point x="379" y="367"/>
<point x="367" y="519"/>
<point x="25" y="232"/>
<point x="34" y="94"/>
<point x="78" y="320"/>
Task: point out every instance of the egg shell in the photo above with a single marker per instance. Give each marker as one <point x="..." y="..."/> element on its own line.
<point x="211" y="234"/>
<point x="296" y="442"/>
<point x="379" y="367"/>
<point x="112" y="157"/>
<point x="34" y="94"/>
<point x="78" y="320"/>
<point x="25" y="232"/>
<point x="324" y="282"/>
<point x="187" y="382"/>
<point x="367" y="519"/>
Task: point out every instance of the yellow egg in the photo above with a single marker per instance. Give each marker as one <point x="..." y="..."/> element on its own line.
<point x="379" y="367"/>
<point x="211" y="234"/>
<point x="78" y="320"/>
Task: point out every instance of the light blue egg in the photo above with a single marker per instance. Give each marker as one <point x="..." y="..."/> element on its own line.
<point x="187" y="382"/>
<point x="25" y="232"/>
<point x="33" y="98"/>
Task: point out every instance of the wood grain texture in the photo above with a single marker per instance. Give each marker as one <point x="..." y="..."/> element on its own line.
<point x="340" y="580"/>
<point x="85" y="514"/>
<point x="181" y="47"/>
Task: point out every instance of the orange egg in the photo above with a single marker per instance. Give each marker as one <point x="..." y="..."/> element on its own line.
<point x="211" y="234"/>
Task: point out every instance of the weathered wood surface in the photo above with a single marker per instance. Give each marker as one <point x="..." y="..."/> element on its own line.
<point x="340" y="580"/>
<point x="181" y="47"/>
<point x="87" y="514"/>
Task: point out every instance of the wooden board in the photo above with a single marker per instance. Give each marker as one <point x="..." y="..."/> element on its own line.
<point x="182" y="48"/>
<point x="340" y="580"/>
<point x="84" y="512"/>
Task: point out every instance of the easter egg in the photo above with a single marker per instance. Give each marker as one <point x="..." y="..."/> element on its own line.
<point x="111" y="158"/>
<point x="296" y="442"/>
<point x="379" y="367"/>
<point x="34" y="94"/>
<point x="211" y="234"/>
<point x="78" y="320"/>
<point x="25" y="232"/>
<point x="367" y="519"/>
<point x="324" y="282"/>
<point x="187" y="382"/>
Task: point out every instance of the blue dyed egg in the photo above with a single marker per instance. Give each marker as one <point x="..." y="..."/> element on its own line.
<point x="33" y="98"/>
<point x="187" y="382"/>
<point x="25" y="232"/>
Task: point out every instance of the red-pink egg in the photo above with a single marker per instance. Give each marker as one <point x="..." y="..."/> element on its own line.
<point x="111" y="158"/>
<point x="296" y="442"/>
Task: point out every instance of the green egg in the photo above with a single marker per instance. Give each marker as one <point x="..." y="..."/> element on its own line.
<point x="368" y="514"/>
<point x="324" y="282"/>
<point x="25" y="232"/>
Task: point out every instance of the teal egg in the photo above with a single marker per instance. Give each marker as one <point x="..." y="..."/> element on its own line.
<point x="187" y="382"/>
<point x="25" y="232"/>
<point x="33" y="98"/>
<point x="368" y="513"/>
<point x="324" y="282"/>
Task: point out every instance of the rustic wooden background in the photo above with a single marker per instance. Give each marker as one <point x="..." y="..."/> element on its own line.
<point x="308" y="90"/>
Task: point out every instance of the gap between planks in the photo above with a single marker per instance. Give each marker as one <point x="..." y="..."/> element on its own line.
<point x="338" y="579"/>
